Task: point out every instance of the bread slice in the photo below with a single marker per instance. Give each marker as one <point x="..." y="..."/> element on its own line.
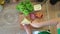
<point x="25" y="21"/>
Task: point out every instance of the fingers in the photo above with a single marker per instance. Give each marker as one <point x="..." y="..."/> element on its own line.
<point x="21" y="17"/>
<point x="36" y="24"/>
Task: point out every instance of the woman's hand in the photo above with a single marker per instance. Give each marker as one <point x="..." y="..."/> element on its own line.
<point x="20" y="18"/>
<point x="26" y="27"/>
<point x="38" y="24"/>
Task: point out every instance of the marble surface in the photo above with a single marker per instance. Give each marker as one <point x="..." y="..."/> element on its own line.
<point x="9" y="20"/>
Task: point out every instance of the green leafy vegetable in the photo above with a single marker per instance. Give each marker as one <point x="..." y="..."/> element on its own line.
<point x="25" y="7"/>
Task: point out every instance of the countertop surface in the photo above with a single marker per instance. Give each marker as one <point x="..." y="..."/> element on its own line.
<point x="9" y="20"/>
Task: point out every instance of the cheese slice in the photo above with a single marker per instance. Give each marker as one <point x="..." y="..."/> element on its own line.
<point x="37" y="7"/>
<point x="25" y="21"/>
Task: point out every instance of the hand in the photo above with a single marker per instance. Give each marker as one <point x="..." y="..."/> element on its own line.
<point x="20" y="18"/>
<point x="38" y="24"/>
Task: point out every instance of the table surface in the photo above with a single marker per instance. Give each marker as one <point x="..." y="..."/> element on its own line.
<point x="11" y="28"/>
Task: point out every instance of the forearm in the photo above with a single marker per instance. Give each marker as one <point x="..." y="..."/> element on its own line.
<point x="27" y="29"/>
<point x="58" y="19"/>
<point x="51" y="23"/>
